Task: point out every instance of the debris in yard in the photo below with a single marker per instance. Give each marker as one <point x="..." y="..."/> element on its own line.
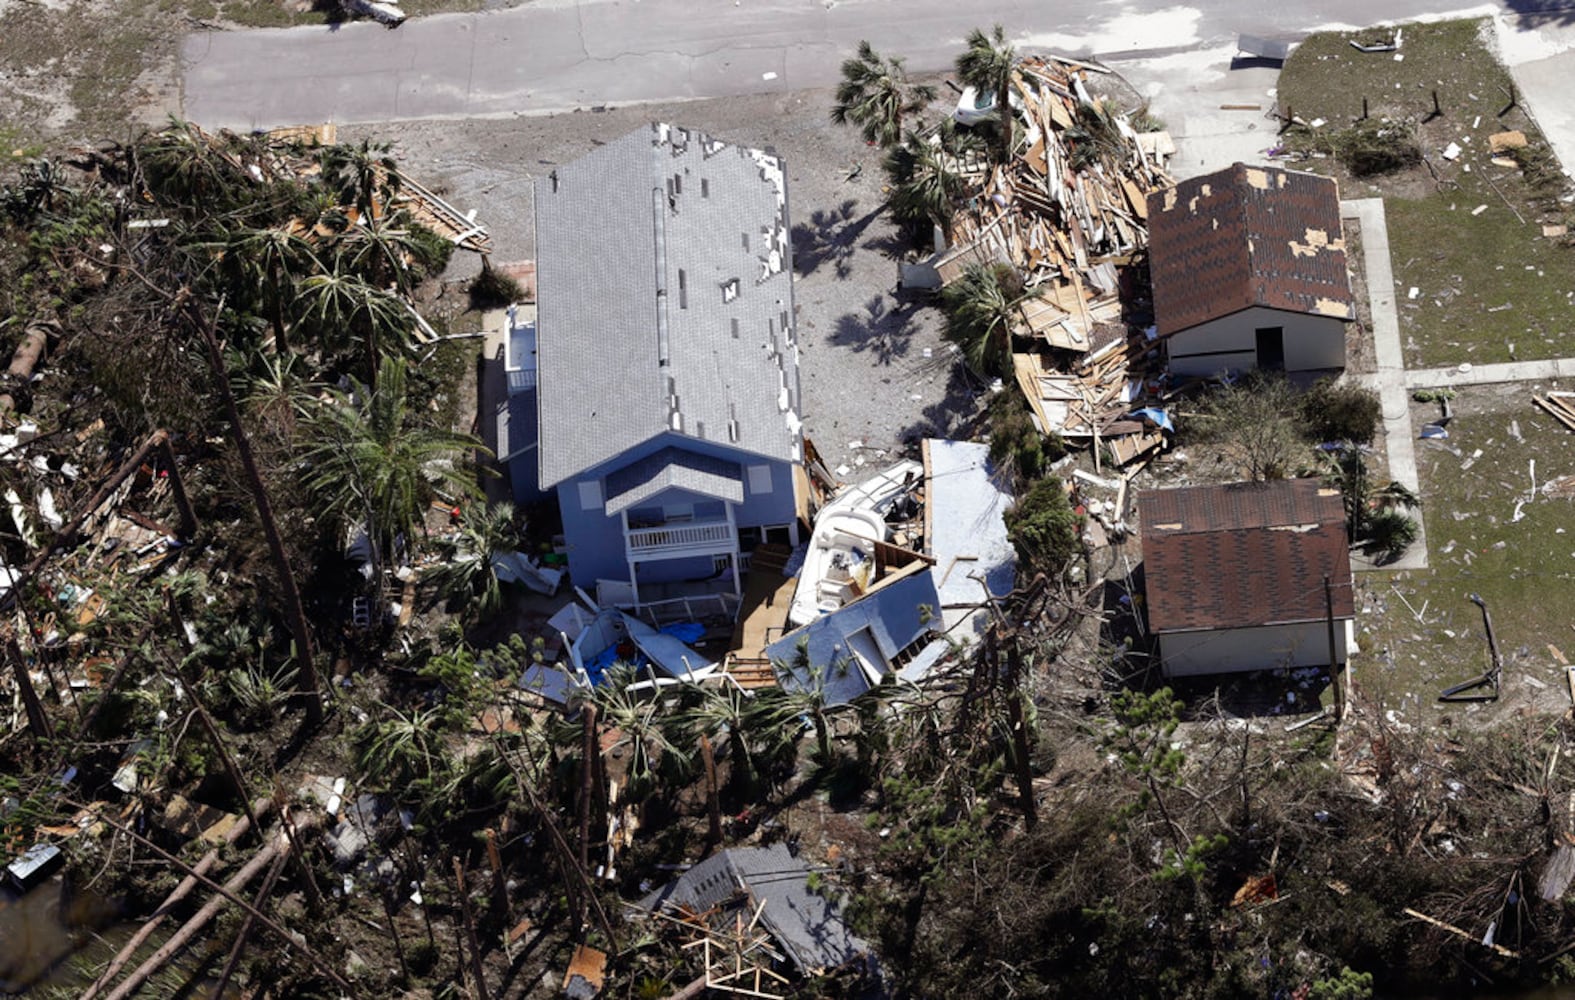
<point x="1489" y="678"/>
<point x="1559" y="405"/>
<point x="1498" y="142"/>
<point x="35" y="865"/>
<point x="1258" y="888"/>
<point x="586" y="973"/>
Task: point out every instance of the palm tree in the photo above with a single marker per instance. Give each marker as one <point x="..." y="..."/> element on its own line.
<point x="987" y="66"/>
<point x="875" y="95"/>
<point x="643" y="727"/>
<point x="810" y="700"/>
<point x="373" y="462"/>
<point x="364" y="176"/>
<point x="981" y="314"/>
<point x="755" y="726"/>
<point x="381" y="251"/>
<point x="346" y="311"/>
<point x="469" y="575"/>
<point x="181" y="163"/>
<point x="925" y="185"/>
<point x="280" y="393"/>
<point x="270" y="260"/>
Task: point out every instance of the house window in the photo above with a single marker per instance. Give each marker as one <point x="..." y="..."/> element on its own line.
<point x="674" y="512"/>
<point x="760" y="479"/>
<point x="591" y="494"/>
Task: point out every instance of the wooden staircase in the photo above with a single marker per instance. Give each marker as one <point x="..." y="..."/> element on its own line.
<point x="745" y="663"/>
<point x="750" y="674"/>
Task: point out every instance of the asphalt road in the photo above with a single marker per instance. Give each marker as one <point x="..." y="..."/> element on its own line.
<point x="557" y="55"/>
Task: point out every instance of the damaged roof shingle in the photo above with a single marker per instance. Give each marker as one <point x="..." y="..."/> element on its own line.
<point x="665" y="300"/>
<point x="1247" y="236"/>
<point x="1244" y="555"/>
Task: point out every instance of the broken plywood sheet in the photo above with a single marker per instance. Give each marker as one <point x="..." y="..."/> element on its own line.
<point x="586" y="974"/>
<point x="1044" y="317"/>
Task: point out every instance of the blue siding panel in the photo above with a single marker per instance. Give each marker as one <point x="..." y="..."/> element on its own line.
<point x="595" y="541"/>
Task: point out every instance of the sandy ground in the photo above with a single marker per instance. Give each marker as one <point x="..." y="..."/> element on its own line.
<point x="874" y="370"/>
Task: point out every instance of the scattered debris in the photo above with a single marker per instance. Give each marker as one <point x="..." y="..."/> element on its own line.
<point x="586" y="974"/>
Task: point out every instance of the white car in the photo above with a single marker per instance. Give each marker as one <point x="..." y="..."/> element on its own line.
<point x="976" y="106"/>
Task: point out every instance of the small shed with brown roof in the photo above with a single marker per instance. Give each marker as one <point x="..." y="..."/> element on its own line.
<point x="1249" y="271"/>
<point x="1234" y="575"/>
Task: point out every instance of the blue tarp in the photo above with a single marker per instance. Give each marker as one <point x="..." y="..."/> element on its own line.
<point x="1154" y="415"/>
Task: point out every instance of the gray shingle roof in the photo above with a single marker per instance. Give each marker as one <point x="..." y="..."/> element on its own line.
<point x="665" y="300"/>
<point x="670" y="467"/>
<point x="804" y="923"/>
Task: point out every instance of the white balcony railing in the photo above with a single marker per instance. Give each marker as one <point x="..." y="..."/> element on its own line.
<point x="690" y="538"/>
<point x="520" y="381"/>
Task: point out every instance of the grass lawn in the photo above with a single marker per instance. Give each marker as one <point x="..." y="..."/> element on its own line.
<point x="1466" y="233"/>
<point x="1472" y="484"/>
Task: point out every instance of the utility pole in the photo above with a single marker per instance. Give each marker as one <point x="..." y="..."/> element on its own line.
<point x="1335" y="668"/>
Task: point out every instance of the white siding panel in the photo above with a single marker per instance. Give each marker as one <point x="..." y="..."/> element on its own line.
<point x="1191" y="654"/>
<point x="1311" y="342"/>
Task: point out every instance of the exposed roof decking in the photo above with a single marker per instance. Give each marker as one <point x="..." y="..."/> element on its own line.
<point x="1243" y="237"/>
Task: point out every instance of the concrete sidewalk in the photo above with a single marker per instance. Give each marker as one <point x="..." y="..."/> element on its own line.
<point x="1390" y="378"/>
<point x="1511" y="371"/>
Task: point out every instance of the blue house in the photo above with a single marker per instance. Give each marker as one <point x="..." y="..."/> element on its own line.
<point x="665" y="362"/>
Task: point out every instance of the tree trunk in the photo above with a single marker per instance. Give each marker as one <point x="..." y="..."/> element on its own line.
<point x="241" y="936"/>
<point x="713" y="798"/>
<point x="1021" y="745"/>
<point x="304" y="652"/>
<point x="228" y="895"/>
<point x="37" y="721"/>
<point x="188" y="514"/>
<point x="261" y="860"/>
<point x="476" y="971"/>
<point x="35" y="342"/>
<point x="588" y="751"/>
<point x="179" y="893"/>
<point x="691" y="991"/>
<point x="1003" y="104"/>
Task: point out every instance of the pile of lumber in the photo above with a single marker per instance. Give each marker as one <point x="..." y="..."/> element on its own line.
<point x="1560" y="405"/>
<point x="1069" y="211"/>
<point x="1088" y="402"/>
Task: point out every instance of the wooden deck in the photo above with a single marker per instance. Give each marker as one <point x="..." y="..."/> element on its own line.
<point x="761" y="619"/>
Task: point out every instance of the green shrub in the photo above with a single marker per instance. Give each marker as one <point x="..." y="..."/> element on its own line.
<point x="1368" y="148"/>
<point x="1389" y="533"/>
<point x="1016" y="446"/>
<point x="1043" y="529"/>
<point x="493" y="290"/>
<point x="1341" y="411"/>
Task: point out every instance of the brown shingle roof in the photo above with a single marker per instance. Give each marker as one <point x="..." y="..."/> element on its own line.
<point x="1244" y="554"/>
<point x="1247" y="236"/>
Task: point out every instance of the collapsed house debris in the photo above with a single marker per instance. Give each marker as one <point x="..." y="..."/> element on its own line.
<point x="842" y="654"/>
<point x="766" y="887"/>
<point x="1068" y="215"/>
<point x="858" y="536"/>
<point x="965" y="529"/>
